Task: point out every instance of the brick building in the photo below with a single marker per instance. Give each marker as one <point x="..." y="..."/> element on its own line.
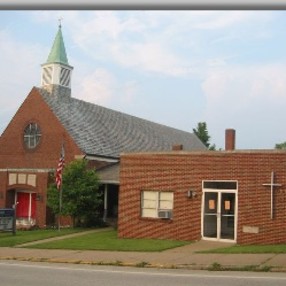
<point x="30" y="145"/>
<point x="230" y="195"/>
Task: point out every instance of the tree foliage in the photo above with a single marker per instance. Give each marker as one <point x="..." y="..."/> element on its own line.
<point x="202" y="132"/>
<point x="80" y="196"/>
<point x="280" y="145"/>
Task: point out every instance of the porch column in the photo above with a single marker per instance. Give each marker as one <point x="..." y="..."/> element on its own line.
<point x="30" y="208"/>
<point x="105" y="202"/>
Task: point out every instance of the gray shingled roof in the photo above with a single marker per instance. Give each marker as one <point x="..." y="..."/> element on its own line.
<point x="109" y="174"/>
<point x="101" y="131"/>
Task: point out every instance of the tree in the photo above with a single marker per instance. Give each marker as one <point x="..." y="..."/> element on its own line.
<point x="202" y="132"/>
<point x="280" y="145"/>
<point x="80" y="196"/>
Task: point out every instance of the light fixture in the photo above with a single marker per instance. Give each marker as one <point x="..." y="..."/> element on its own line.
<point x="191" y="194"/>
<point x="39" y="197"/>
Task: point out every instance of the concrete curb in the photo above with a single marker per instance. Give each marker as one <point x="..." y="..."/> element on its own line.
<point x="211" y="267"/>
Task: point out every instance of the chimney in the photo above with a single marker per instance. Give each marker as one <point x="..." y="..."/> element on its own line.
<point x="229" y="139"/>
<point x="177" y="147"/>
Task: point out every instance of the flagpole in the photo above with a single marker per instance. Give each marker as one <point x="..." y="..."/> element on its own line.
<point x="60" y="208"/>
<point x="59" y="183"/>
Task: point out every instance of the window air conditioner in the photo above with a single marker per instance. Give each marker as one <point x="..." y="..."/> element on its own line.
<point x="165" y="214"/>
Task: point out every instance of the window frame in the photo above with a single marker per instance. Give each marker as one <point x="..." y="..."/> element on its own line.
<point x="32" y="135"/>
<point x="158" y="204"/>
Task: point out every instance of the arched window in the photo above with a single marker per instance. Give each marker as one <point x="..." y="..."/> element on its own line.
<point x="32" y="135"/>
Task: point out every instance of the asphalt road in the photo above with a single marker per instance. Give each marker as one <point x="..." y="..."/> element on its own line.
<point x="15" y="273"/>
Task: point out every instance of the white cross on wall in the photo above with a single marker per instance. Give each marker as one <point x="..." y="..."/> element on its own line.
<point x="272" y="185"/>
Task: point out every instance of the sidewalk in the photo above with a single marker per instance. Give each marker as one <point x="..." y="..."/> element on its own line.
<point x="181" y="257"/>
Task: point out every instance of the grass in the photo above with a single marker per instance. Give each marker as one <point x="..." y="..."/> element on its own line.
<point x="107" y="240"/>
<point x="249" y="249"/>
<point x="7" y="239"/>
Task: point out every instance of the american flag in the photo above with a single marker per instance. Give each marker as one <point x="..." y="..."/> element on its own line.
<point x="59" y="172"/>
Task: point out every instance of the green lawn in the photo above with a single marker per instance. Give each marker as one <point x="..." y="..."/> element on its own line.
<point x="7" y="239"/>
<point x="107" y="240"/>
<point x="252" y="249"/>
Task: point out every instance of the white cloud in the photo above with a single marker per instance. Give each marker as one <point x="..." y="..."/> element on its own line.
<point x="126" y="41"/>
<point x="96" y="87"/>
<point x="19" y="70"/>
<point x="150" y="57"/>
<point x="128" y="91"/>
<point x="205" y="20"/>
<point x="16" y="57"/>
<point x="151" y="41"/>
<point x="98" y="30"/>
<point x="245" y="83"/>
<point x="106" y="24"/>
<point x="101" y="87"/>
<point x="250" y="99"/>
<point x="222" y="20"/>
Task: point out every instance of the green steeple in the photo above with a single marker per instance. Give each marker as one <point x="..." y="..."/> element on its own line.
<point x="58" y="51"/>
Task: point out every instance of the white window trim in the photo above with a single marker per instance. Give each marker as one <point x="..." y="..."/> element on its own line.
<point x="157" y="209"/>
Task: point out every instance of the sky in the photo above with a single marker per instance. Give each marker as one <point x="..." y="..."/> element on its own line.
<point x="177" y="68"/>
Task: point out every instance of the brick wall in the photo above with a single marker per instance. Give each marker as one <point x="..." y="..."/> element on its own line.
<point x="15" y="158"/>
<point x="3" y="185"/>
<point x="182" y="171"/>
<point x="14" y="154"/>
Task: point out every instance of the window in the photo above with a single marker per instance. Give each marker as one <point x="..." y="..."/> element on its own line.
<point x="157" y="204"/>
<point x="222" y="185"/>
<point x="32" y="135"/>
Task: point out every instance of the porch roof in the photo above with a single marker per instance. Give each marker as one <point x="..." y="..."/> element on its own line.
<point x="109" y="174"/>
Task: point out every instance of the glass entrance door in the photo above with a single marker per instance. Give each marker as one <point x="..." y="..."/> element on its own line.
<point x="219" y="215"/>
<point x="227" y="215"/>
<point x="211" y="215"/>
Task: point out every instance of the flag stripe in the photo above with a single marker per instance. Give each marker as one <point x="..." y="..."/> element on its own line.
<point x="59" y="172"/>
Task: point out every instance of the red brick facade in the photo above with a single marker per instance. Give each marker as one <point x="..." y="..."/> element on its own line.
<point x="182" y="171"/>
<point x="27" y="170"/>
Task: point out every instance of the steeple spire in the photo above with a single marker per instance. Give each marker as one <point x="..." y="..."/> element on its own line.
<point x="56" y="72"/>
<point x="58" y="51"/>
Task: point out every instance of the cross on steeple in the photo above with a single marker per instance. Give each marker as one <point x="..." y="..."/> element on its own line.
<point x="60" y="22"/>
<point x="272" y="185"/>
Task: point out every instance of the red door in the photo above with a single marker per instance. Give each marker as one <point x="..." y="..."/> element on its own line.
<point x="26" y="207"/>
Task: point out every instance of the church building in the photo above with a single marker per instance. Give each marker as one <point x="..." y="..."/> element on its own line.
<point x="30" y="145"/>
<point x="233" y="195"/>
